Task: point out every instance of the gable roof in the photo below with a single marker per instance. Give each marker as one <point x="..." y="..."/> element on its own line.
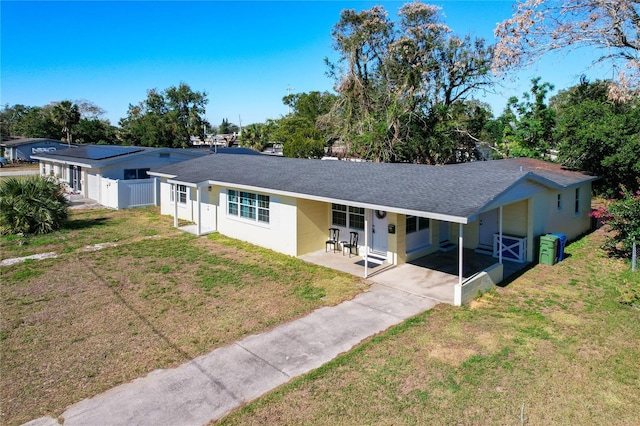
<point x="456" y="192"/>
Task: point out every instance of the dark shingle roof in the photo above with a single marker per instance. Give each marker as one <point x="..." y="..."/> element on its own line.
<point x="459" y="190"/>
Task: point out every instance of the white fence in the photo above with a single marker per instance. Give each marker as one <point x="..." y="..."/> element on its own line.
<point x="122" y="194"/>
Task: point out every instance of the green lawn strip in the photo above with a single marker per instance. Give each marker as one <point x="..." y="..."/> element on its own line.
<point x="84" y="322"/>
<point x="557" y="343"/>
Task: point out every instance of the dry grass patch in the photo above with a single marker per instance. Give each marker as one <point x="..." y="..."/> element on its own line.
<point x="557" y="340"/>
<point x="75" y="326"/>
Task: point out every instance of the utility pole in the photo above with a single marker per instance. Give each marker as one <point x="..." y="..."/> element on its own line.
<point x="289" y="89"/>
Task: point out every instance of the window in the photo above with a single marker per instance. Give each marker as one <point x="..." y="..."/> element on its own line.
<point x="415" y="224"/>
<point x="182" y="193"/>
<point x="356" y="217"/>
<point x="351" y="217"/>
<point x="339" y="215"/>
<point x="577" y="206"/>
<point x="136" y="174"/>
<point x="248" y="205"/>
<point x="559" y="201"/>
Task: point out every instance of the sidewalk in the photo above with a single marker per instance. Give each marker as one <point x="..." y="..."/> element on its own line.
<point x="209" y="387"/>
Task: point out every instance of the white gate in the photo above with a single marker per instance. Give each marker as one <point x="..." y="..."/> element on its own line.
<point x="122" y="194"/>
<point x="109" y="193"/>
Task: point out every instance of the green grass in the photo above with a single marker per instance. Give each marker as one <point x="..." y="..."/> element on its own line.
<point x="77" y="325"/>
<point x="562" y="343"/>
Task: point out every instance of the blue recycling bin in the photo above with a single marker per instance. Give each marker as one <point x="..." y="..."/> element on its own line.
<point x="562" y="241"/>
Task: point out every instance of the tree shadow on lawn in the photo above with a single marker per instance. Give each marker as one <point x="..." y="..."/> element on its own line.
<point x="77" y="224"/>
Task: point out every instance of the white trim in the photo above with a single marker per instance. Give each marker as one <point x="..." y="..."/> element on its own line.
<point x="460" y="254"/>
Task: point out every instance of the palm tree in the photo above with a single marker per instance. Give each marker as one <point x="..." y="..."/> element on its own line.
<point x="254" y="136"/>
<point x="34" y="204"/>
<point x="67" y="115"/>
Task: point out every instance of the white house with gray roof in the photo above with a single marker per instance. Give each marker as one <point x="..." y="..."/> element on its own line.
<point x="399" y="211"/>
<point x="112" y="175"/>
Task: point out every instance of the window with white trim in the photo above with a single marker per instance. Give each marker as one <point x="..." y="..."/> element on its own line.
<point x="248" y="205"/>
<point x="356" y="218"/>
<point x="347" y="217"/>
<point x="182" y="193"/>
<point x="577" y="206"/>
<point x="415" y="224"/>
<point x="339" y="215"/>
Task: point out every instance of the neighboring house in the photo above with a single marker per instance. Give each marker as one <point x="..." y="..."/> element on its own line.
<point x="22" y="149"/>
<point x="400" y="211"/>
<point x="114" y="176"/>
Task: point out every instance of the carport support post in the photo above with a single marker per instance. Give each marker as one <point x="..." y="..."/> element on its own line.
<point x="366" y="244"/>
<point x="460" y="254"/>
<point x="500" y="238"/>
<point x="199" y="228"/>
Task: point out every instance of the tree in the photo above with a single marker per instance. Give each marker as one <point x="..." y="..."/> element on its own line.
<point x="166" y="118"/>
<point x="529" y="123"/>
<point x="541" y="26"/>
<point x="255" y="136"/>
<point x="31" y="205"/>
<point x="29" y="122"/>
<point x="89" y="110"/>
<point x="227" y="128"/>
<point x="598" y="135"/>
<point x="397" y="77"/>
<point x="310" y="105"/>
<point x="622" y="216"/>
<point x="299" y="137"/>
<point x="95" y="131"/>
<point x="66" y="115"/>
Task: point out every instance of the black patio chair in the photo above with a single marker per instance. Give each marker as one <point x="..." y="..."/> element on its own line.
<point x="352" y="244"/>
<point x="334" y="235"/>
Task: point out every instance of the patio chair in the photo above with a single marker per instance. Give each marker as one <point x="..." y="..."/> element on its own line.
<point x="352" y="244"/>
<point x="334" y="235"/>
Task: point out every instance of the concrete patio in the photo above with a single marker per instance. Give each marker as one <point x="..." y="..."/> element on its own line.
<point x="433" y="276"/>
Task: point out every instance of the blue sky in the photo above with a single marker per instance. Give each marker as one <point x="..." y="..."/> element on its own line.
<point x="243" y="54"/>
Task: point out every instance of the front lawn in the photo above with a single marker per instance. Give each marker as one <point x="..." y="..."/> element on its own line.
<point x="559" y="345"/>
<point x="89" y="320"/>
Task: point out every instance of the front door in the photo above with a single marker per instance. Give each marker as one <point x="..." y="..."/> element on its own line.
<point x="379" y="232"/>
<point x="488" y="227"/>
<point x="75" y="177"/>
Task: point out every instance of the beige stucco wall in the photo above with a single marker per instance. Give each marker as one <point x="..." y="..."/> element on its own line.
<point x="547" y="217"/>
<point x="397" y="243"/>
<point x="515" y="219"/>
<point x="313" y="222"/>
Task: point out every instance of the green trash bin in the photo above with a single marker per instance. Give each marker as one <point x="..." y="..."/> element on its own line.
<point x="549" y="249"/>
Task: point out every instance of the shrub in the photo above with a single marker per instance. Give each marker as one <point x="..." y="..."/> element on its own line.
<point x="623" y="218"/>
<point x="32" y="205"/>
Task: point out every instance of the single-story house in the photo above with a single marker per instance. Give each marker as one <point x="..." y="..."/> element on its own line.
<point x="114" y="176"/>
<point x="22" y="149"/>
<point x="400" y="212"/>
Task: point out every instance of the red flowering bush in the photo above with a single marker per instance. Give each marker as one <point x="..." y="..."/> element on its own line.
<point x="623" y="218"/>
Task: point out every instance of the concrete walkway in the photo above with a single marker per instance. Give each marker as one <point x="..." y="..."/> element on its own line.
<point x="209" y="387"/>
